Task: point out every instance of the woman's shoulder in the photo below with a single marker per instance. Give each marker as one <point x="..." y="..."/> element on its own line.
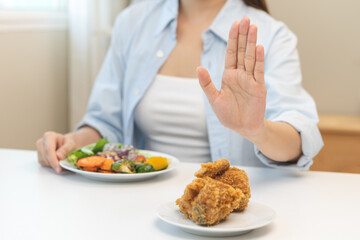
<point x="137" y="15"/>
<point x="270" y="29"/>
<point x="264" y="20"/>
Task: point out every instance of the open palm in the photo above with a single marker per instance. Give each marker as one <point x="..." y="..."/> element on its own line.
<point x="240" y="104"/>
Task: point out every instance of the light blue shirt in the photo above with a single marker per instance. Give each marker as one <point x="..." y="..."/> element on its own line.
<point x="144" y="36"/>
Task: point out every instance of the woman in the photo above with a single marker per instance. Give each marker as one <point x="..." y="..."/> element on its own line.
<point x="251" y="109"/>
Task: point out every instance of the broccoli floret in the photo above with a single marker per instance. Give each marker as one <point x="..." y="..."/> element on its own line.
<point x="123" y="166"/>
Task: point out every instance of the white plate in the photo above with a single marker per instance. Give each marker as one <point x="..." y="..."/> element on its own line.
<point x="123" y="177"/>
<point x="256" y="215"/>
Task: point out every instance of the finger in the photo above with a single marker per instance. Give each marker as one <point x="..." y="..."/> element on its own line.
<point x="207" y="85"/>
<point x="63" y="151"/>
<point x="40" y="159"/>
<point x="259" y="65"/>
<point x="231" y="50"/>
<point x="242" y="41"/>
<point x="39" y="145"/>
<point x="60" y="141"/>
<point x="49" y="151"/>
<point x="250" y="50"/>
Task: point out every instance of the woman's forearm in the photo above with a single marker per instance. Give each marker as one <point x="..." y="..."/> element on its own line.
<point x="279" y="141"/>
<point x="84" y="136"/>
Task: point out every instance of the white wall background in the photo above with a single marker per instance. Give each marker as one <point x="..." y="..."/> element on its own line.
<point x="33" y="85"/>
<point x="328" y="33"/>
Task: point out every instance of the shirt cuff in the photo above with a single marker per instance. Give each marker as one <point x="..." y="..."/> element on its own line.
<point x="311" y="141"/>
<point x="104" y="129"/>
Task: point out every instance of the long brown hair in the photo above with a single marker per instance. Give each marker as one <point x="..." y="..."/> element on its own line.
<point x="259" y="4"/>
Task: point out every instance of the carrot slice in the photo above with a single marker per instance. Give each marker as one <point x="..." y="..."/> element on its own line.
<point x="90" y="169"/>
<point x="107" y="164"/>
<point x="91" y="162"/>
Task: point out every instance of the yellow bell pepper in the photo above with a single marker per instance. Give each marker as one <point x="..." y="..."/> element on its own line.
<point x="158" y="163"/>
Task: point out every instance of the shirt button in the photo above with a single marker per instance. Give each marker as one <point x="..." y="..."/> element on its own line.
<point x="137" y="91"/>
<point x="160" y="54"/>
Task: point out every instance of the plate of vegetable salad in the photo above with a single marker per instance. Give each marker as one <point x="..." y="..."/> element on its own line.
<point x="116" y="162"/>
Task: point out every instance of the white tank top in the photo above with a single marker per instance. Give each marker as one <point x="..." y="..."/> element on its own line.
<point x="172" y="116"/>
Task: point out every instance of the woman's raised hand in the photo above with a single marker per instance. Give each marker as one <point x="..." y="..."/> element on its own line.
<point x="240" y="104"/>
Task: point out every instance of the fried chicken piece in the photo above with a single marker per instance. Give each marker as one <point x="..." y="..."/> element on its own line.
<point x="238" y="179"/>
<point x="213" y="169"/>
<point x="191" y="191"/>
<point x="218" y="191"/>
<point x="207" y="201"/>
<point x="233" y="176"/>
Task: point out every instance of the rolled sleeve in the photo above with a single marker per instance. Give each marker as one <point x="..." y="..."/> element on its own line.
<point x="104" y="129"/>
<point x="311" y="141"/>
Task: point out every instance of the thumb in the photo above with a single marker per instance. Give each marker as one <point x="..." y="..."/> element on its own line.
<point x="207" y="85"/>
<point x="63" y="151"/>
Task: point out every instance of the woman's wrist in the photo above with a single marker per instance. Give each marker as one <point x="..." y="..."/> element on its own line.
<point x="84" y="136"/>
<point x="258" y="136"/>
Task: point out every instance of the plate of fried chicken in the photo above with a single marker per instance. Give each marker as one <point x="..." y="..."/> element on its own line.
<point x="217" y="203"/>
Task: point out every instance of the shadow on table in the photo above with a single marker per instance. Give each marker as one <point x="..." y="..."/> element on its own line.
<point x="180" y="234"/>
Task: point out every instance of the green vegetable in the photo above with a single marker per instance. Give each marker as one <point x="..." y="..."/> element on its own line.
<point x="136" y="163"/>
<point x="88" y="149"/>
<point x="123" y="166"/>
<point x="99" y="146"/>
<point x="144" y="168"/>
<point x="74" y="156"/>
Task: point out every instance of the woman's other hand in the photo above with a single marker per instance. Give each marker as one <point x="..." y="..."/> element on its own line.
<point x="53" y="147"/>
<point x="240" y="104"/>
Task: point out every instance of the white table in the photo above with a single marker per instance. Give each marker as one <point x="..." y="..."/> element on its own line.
<point x="36" y="203"/>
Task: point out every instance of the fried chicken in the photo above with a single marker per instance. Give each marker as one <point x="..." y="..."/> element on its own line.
<point x="207" y="201"/>
<point x="238" y="179"/>
<point x="213" y="169"/>
<point x="217" y="191"/>
<point x="235" y="177"/>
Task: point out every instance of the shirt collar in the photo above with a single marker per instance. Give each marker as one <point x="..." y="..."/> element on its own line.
<point x="169" y="13"/>
<point x="232" y="10"/>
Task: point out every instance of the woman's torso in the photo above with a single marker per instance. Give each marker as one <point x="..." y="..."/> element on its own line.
<point x="171" y="115"/>
<point x="210" y="48"/>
